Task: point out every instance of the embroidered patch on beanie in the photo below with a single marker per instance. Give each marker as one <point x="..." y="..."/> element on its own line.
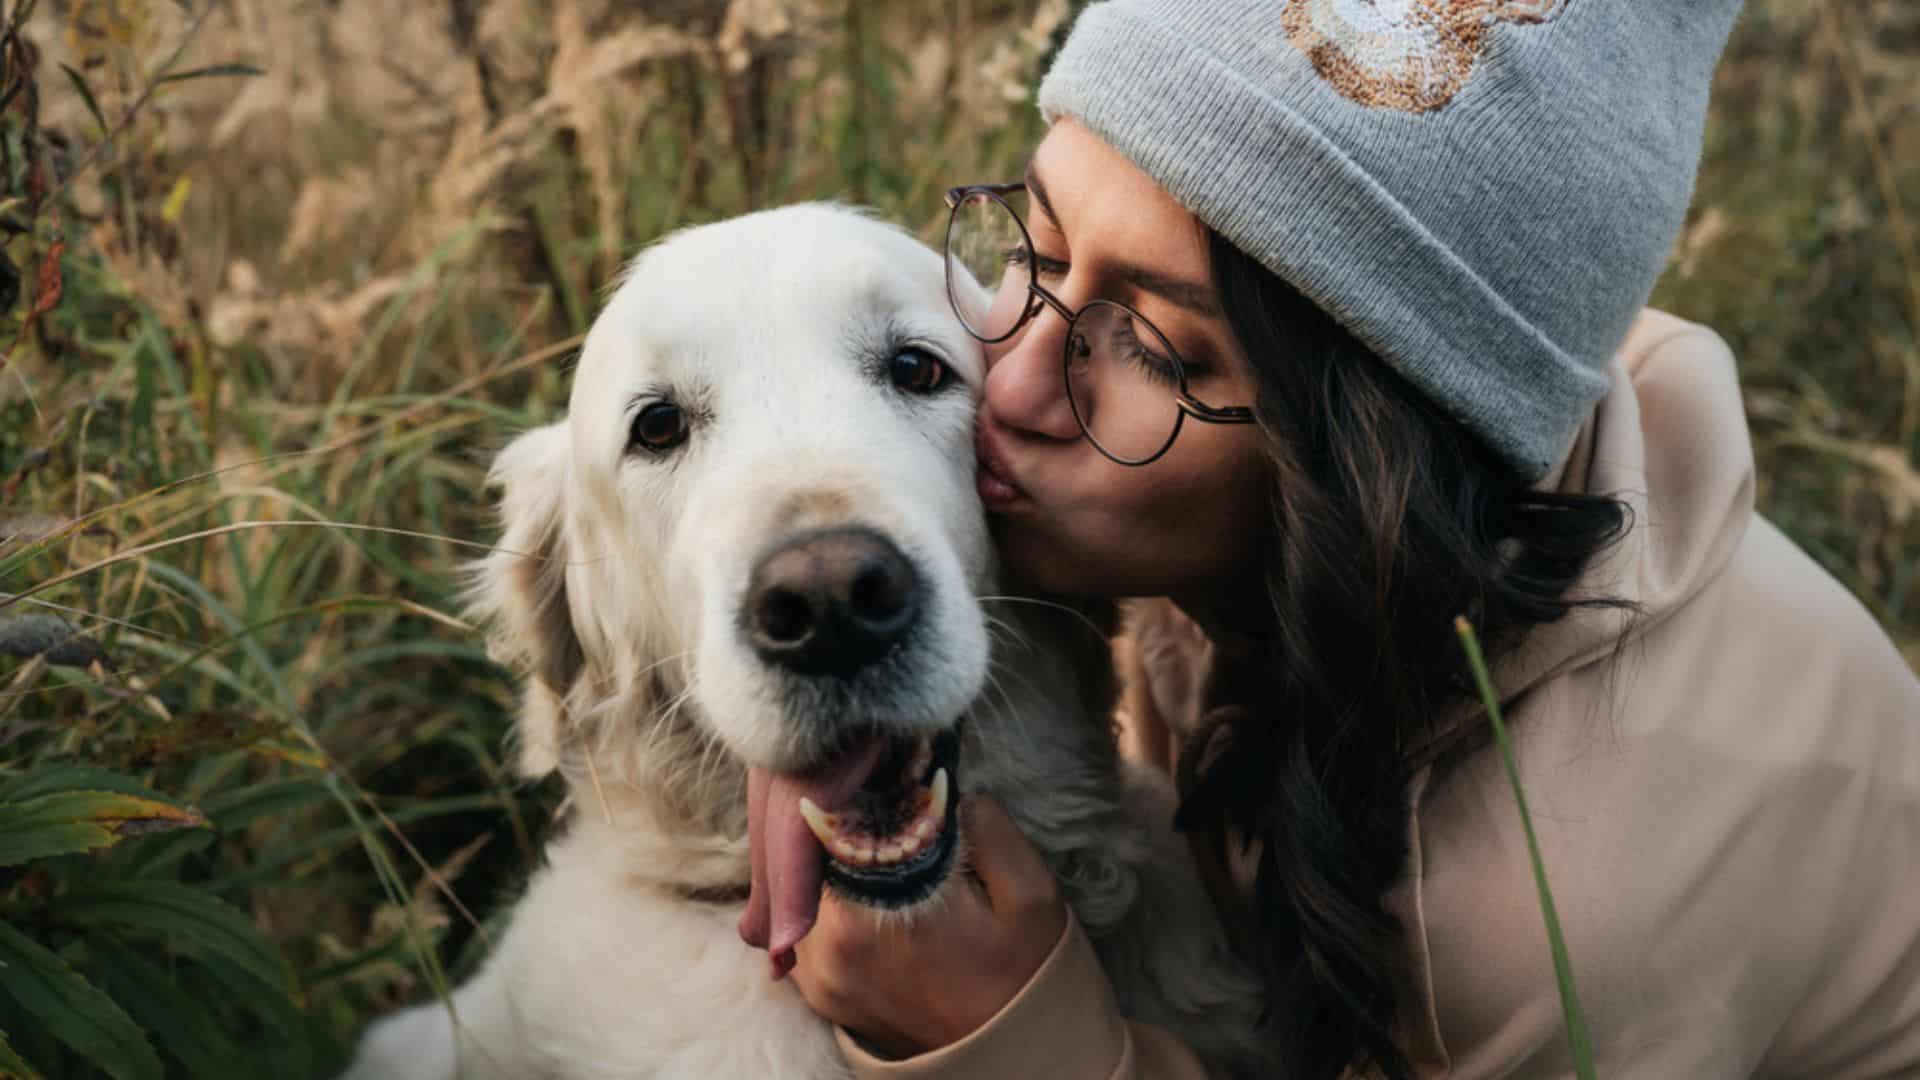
<point x="1412" y="55"/>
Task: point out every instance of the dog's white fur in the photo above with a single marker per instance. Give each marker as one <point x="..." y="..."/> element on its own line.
<point x="618" y="592"/>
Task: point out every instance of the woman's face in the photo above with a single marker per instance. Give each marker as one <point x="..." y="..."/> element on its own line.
<point x="1068" y="519"/>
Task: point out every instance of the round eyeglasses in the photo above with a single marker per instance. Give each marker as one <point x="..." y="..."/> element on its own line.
<point x="1125" y="383"/>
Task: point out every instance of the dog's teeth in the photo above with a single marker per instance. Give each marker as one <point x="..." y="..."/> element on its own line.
<point x="910" y="845"/>
<point x="938" y="806"/>
<point x="923" y="830"/>
<point x="844" y="851"/>
<point x="825" y="826"/>
<point x="887" y="853"/>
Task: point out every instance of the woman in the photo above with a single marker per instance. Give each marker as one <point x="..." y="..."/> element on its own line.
<point x="1381" y="362"/>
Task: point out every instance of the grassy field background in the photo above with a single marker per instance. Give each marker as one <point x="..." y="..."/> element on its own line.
<point x="278" y="277"/>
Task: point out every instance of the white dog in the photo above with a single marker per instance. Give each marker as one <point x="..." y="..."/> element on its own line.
<point x="755" y="541"/>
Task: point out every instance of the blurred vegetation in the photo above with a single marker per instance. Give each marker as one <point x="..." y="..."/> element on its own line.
<point x="279" y="275"/>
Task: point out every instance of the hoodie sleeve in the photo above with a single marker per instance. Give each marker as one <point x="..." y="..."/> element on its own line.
<point x="1063" y="1025"/>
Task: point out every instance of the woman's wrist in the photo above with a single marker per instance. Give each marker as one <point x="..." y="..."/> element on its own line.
<point x="1062" y="1022"/>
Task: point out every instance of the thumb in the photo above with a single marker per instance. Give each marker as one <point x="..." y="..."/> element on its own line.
<point x="1009" y="868"/>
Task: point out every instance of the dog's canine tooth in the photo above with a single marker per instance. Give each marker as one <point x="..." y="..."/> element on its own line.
<point x="825" y="826"/>
<point x="937" y="807"/>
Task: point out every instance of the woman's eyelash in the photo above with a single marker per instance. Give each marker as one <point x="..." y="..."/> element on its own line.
<point x="1020" y="256"/>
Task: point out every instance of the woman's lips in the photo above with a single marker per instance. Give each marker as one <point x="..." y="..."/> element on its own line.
<point x="998" y="489"/>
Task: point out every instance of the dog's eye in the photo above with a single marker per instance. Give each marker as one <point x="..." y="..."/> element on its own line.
<point x="917" y="371"/>
<point x="660" y="426"/>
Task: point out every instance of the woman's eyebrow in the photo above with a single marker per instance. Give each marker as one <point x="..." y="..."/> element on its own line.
<point x="1191" y="295"/>
<point x="1039" y="192"/>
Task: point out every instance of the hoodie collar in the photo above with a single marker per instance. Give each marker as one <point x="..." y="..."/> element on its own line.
<point x="1670" y="440"/>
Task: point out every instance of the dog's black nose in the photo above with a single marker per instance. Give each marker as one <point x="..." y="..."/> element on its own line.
<point x="830" y="602"/>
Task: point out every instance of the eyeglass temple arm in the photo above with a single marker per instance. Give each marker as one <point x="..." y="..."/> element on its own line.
<point x="1232" y="414"/>
<point x="954" y="195"/>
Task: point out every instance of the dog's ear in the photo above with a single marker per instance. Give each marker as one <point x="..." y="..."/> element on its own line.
<point x="521" y="589"/>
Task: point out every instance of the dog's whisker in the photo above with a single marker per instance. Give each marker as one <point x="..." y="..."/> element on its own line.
<point x="990" y="733"/>
<point x="1000" y="630"/>
<point x="660" y="663"/>
<point x="1078" y="615"/>
<point x="599" y="791"/>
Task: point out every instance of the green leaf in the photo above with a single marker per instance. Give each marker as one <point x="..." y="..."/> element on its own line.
<point x="212" y="71"/>
<point x="75" y="1011"/>
<point x="11" y="1067"/>
<point x="47" y="779"/>
<point x="184" y="914"/>
<point x="275" y="1008"/>
<point x="1578" y="1041"/>
<point x="177" y="1016"/>
<point x="86" y="97"/>
<point x="73" y="821"/>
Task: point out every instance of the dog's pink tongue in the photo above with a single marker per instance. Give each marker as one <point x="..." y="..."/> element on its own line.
<point x="788" y="862"/>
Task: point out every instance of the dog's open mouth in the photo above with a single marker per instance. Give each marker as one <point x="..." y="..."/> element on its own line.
<point x="877" y="823"/>
<point x="890" y="844"/>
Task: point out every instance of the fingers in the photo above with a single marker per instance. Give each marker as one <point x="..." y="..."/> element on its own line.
<point x="1016" y="879"/>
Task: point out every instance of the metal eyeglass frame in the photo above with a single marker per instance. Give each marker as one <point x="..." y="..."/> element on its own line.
<point x="1038" y="296"/>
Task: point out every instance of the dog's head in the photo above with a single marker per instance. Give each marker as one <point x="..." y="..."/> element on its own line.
<point x="757" y="531"/>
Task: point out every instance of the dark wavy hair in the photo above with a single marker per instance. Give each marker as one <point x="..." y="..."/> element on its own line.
<point x="1390" y="519"/>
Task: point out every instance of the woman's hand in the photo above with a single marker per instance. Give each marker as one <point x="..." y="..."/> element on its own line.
<point x="914" y="984"/>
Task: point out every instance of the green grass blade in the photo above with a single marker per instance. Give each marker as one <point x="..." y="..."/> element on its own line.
<point x="1577" y="1037"/>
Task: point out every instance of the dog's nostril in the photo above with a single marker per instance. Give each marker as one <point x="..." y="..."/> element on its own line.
<point x="881" y="591"/>
<point x="783" y="615"/>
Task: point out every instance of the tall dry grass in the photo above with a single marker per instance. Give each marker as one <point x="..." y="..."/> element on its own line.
<point x="242" y="451"/>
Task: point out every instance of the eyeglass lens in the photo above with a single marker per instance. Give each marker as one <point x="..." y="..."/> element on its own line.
<point x="1122" y="376"/>
<point x="984" y="238"/>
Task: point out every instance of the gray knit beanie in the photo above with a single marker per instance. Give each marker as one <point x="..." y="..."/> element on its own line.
<point x="1482" y="191"/>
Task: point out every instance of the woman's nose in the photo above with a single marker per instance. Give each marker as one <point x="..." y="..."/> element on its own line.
<point x="1026" y="385"/>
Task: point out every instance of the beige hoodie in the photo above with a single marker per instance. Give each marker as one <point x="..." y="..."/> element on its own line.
<point x="1728" y="807"/>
